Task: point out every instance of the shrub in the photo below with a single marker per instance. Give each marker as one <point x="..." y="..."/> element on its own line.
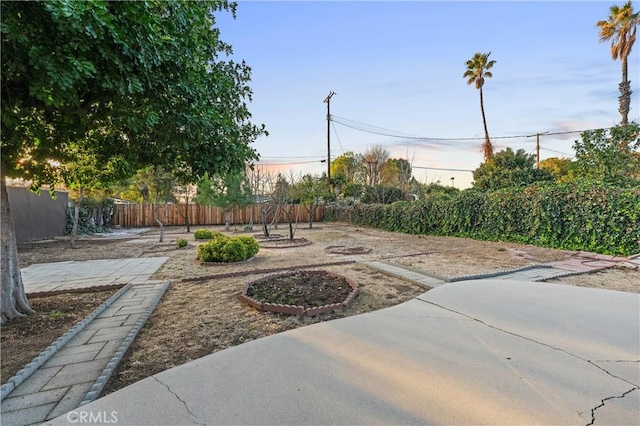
<point x="234" y="251"/>
<point x="251" y="245"/>
<point x="181" y="242"/>
<point x="203" y="234"/>
<point x="224" y="249"/>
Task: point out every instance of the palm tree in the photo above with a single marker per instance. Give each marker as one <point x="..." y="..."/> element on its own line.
<point x="620" y="28"/>
<point x="477" y="70"/>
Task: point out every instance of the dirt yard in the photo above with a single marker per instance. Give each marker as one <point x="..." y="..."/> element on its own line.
<point x="201" y="314"/>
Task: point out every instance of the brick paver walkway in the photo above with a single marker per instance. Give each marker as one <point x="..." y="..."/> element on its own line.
<point x="75" y="274"/>
<point x="78" y="371"/>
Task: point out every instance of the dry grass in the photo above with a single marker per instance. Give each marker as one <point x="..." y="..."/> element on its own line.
<point x="196" y="318"/>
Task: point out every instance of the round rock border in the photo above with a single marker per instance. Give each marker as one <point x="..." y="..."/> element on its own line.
<point x="347" y="250"/>
<point x="201" y="263"/>
<point x="286" y="243"/>
<point x="297" y="309"/>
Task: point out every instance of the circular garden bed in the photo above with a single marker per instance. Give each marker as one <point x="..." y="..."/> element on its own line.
<point x="284" y="243"/>
<point x="300" y="293"/>
<point x="346" y="250"/>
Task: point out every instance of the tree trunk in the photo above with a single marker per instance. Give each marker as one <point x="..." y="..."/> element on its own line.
<point x="157" y="220"/>
<point x="14" y="300"/>
<point x="164" y="219"/>
<point x="625" y="93"/>
<point x="186" y="214"/>
<point x="310" y="210"/>
<point x="76" y="218"/>
<point x="276" y="217"/>
<point x="264" y="213"/>
<point x="487" y="148"/>
<point x="227" y="219"/>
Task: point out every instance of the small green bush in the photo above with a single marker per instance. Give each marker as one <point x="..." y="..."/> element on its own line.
<point x="251" y="245"/>
<point x="234" y="251"/>
<point x="224" y="249"/>
<point x="181" y="242"/>
<point x="203" y="234"/>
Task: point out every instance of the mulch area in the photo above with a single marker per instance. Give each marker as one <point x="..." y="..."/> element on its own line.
<point x="24" y="338"/>
<point x="301" y="288"/>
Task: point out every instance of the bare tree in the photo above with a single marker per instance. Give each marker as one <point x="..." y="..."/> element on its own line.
<point x="373" y="159"/>
<point x="262" y="183"/>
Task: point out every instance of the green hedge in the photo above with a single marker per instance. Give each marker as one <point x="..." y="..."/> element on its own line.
<point x="575" y="216"/>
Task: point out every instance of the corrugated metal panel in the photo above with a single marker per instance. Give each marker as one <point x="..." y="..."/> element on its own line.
<point x="37" y="217"/>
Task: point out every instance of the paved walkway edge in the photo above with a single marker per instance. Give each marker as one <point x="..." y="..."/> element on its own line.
<point x="498" y="273"/>
<point x="95" y="390"/>
<point x="572" y="273"/>
<point x="31" y="367"/>
<point x="415" y="270"/>
<point x="369" y="264"/>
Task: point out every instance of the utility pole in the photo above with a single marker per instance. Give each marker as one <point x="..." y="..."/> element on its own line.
<point x="538" y="148"/>
<point x="327" y="101"/>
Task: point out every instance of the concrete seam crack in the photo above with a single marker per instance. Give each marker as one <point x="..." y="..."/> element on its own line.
<point x="183" y="402"/>
<point x="427" y="316"/>
<point x="527" y="338"/>
<point x="501" y="329"/>
<point x="602" y="402"/>
<point x="612" y="375"/>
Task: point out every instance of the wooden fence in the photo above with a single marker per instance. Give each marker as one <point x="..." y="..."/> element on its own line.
<point x="133" y="215"/>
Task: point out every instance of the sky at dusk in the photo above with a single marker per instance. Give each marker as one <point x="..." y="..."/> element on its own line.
<point x="398" y="66"/>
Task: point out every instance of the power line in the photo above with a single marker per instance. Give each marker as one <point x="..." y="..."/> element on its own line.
<point x="288" y="164"/>
<point x="338" y="137"/>
<point x="380" y="129"/>
<point x="367" y="128"/>
<point x="446" y="170"/>
<point x="297" y="156"/>
<point x="558" y="152"/>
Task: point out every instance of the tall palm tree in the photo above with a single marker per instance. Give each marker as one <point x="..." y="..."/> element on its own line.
<point x="620" y="28"/>
<point x="477" y="71"/>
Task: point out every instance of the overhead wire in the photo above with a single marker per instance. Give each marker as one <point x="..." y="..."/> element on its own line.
<point x="296" y="156"/>
<point x="363" y="127"/>
<point x="438" y="168"/>
<point x="338" y="137"/>
<point x="557" y="152"/>
<point x="287" y="164"/>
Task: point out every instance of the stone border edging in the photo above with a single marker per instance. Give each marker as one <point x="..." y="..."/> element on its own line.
<point x="416" y="270"/>
<point x="40" y="359"/>
<point x="264" y="271"/>
<point x="95" y="390"/>
<point x="367" y="264"/>
<point x="498" y="273"/>
<point x="80" y="290"/>
<point x="571" y="273"/>
<point x="360" y="250"/>
<point x="201" y="263"/>
<point x="303" y="243"/>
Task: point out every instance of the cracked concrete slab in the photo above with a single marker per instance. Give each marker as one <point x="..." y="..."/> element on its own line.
<point x="611" y="412"/>
<point x="566" y="317"/>
<point x="157" y="399"/>
<point x="627" y="370"/>
<point x="487" y="355"/>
